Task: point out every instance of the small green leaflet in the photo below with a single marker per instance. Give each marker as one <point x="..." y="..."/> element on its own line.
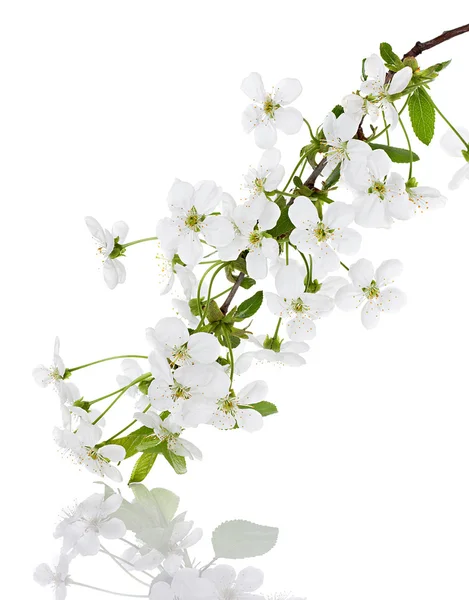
<point x="422" y="115"/>
<point x="143" y="466"/>
<point x="284" y="225"/>
<point x="338" y="110"/>
<point x="393" y="62"/>
<point x="249" y="307"/>
<point x="397" y="155"/>
<point x="264" y="408"/>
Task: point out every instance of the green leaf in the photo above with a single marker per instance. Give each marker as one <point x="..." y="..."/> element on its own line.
<point x="264" y="408"/>
<point x="422" y="115"/>
<point x="177" y="462"/>
<point x="338" y="110"/>
<point x="143" y="466"/>
<point x="283" y="226"/>
<point x="392" y="60"/>
<point x="397" y="155"/>
<point x="131" y="442"/>
<point x="148" y="442"/>
<point x="333" y="178"/>
<point x="248" y="282"/>
<point x="249" y="307"/>
<point x="242" y="539"/>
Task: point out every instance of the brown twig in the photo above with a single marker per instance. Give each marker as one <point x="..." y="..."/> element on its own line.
<point x="226" y="304"/>
<point x="444" y="37"/>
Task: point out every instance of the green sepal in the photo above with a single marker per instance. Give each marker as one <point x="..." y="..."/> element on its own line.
<point x="80" y="403"/>
<point x="144" y="385"/>
<point x="118" y="249"/>
<point x="272" y="343"/>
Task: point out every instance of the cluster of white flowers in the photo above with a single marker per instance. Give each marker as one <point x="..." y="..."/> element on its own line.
<point x="298" y="235"/>
<point x="193" y="374"/>
<point x="149" y="541"/>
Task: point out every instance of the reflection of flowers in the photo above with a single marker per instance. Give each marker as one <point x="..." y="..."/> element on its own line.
<point x="155" y="543"/>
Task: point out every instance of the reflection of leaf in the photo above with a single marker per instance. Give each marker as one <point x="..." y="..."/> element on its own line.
<point x="242" y="539"/>
<point x="149" y="514"/>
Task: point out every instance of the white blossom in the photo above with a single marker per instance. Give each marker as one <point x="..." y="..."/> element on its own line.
<point x="357" y="108"/>
<point x="293" y="303"/>
<point x="113" y="268"/>
<point x="169" y="432"/>
<point x="54" y="376"/>
<point x="323" y="238"/>
<point x="185" y="585"/>
<point x="190" y="393"/>
<point x="92" y="519"/>
<point x="380" y="196"/>
<point x="377" y="91"/>
<point x="425" y="198"/>
<point x="235" y="409"/>
<point x="255" y="238"/>
<point x="270" y="111"/>
<point x="171" y="338"/>
<point x="96" y="460"/>
<point x="265" y="178"/>
<point x="232" y="586"/>
<point x="191" y="217"/>
<point x="455" y="147"/>
<point x="289" y="354"/>
<point x="372" y="289"/>
<point x="131" y="370"/>
<point x="57" y="578"/>
<point x="343" y="149"/>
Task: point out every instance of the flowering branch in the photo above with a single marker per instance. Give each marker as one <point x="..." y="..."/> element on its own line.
<point x="297" y="233"/>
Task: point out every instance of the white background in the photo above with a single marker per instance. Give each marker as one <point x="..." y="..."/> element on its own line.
<point x="103" y="103"/>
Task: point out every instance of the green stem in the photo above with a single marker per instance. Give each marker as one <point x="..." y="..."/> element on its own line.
<point x="148" y="239"/>
<point x="278" y="327"/>
<point x="96" y="362"/>
<point x="409" y="146"/>
<point x="199" y="288"/>
<point x="286" y="252"/>
<point x="222" y="293"/>
<point x="124" y="429"/>
<point x="345" y="266"/>
<point x="377" y="135"/>
<point x="132" y="383"/>
<point x="309" y="128"/>
<point x="450" y="125"/>
<point x="230" y="351"/>
<point x="106" y="396"/>
<point x="386" y="128"/>
<point x="298" y="165"/>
